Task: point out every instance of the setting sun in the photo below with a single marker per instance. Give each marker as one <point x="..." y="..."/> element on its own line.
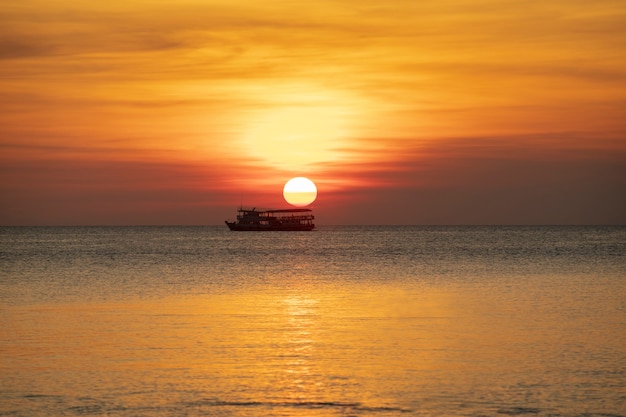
<point x="300" y="191"/>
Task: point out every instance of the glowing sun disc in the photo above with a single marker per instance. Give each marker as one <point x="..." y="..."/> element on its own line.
<point x="300" y="191"/>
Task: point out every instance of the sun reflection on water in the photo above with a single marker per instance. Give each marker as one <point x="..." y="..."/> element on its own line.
<point x="298" y="347"/>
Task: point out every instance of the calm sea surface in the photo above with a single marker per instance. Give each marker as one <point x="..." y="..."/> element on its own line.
<point x="342" y="321"/>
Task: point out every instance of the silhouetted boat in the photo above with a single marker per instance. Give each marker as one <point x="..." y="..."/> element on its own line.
<point x="296" y="219"/>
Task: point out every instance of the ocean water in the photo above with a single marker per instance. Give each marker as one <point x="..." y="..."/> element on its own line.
<point x="341" y="321"/>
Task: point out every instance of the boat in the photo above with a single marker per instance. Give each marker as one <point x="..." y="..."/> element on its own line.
<point x="294" y="219"/>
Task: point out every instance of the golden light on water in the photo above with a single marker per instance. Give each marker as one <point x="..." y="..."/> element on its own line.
<point x="299" y="349"/>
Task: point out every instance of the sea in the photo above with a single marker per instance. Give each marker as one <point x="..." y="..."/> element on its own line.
<point x="341" y="321"/>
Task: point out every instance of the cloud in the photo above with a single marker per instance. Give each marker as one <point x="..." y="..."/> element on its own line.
<point x="483" y="181"/>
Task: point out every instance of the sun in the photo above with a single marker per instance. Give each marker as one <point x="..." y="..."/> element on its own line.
<point x="300" y="191"/>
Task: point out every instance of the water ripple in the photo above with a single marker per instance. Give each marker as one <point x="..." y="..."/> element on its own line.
<point x="343" y="406"/>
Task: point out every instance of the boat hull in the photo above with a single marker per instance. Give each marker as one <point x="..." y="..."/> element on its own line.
<point x="269" y="228"/>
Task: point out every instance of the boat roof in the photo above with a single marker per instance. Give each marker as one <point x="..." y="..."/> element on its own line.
<point x="289" y="210"/>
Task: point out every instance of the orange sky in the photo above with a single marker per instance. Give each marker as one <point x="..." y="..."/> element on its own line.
<point x="402" y="112"/>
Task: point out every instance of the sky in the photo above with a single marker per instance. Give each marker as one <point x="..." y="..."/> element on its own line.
<point x="141" y="112"/>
